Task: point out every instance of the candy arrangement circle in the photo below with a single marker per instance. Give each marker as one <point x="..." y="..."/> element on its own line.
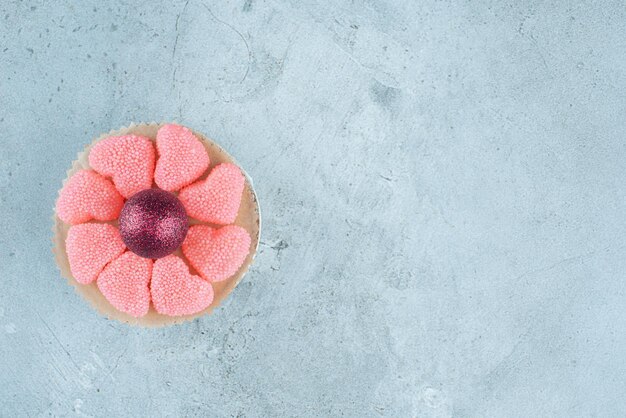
<point x="122" y="234"/>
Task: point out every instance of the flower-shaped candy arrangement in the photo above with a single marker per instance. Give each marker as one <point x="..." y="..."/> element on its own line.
<point x="155" y="234"/>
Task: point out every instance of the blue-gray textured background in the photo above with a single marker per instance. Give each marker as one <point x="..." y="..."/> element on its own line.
<point x="443" y="190"/>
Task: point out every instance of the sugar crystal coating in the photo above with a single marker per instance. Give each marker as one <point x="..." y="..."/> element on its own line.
<point x="87" y="195"/>
<point x="128" y="159"/>
<point x="217" y="198"/>
<point x="125" y="283"/>
<point x="217" y="254"/>
<point x="175" y="291"/>
<point x="90" y="247"/>
<point x="182" y="157"/>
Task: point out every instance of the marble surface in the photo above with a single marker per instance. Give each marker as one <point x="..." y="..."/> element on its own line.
<point x="443" y="189"/>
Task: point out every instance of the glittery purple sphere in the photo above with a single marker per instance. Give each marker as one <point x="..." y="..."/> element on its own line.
<point x="153" y="223"/>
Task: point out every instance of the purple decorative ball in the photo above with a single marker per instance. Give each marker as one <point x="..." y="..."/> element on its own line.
<point x="153" y="223"/>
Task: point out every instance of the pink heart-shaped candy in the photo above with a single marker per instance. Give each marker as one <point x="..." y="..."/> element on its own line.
<point x="128" y="159"/>
<point x="217" y="198"/>
<point x="217" y="254"/>
<point x="125" y="283"/>
<point x="90" y="247"/>
<point x="182" y="157"/>
<point x="177" y="292"/>
<point x="87" y="195"/>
